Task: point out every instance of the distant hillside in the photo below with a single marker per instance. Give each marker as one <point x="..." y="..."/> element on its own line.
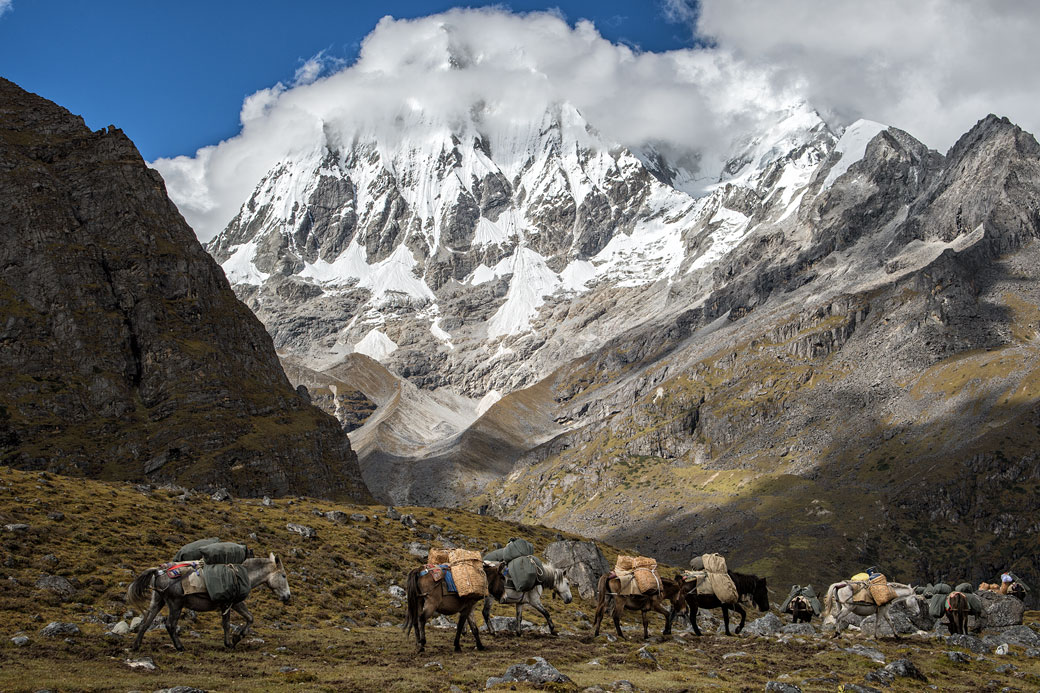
<point x="123" y="352"/>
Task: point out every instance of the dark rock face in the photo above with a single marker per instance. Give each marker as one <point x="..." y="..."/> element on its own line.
<point x="582" y="560"/>
<point x="124" y="352"/>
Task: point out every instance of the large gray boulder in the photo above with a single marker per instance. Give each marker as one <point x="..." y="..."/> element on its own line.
<point x="1000" y="610"/>
<point x="535" y="670"/>
<point x="900" y="620"/>
<point x="767" y="625"/>
<point x="582" y="560"/>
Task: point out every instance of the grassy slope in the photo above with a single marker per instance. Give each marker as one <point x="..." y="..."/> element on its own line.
<point x="330" y="634"/>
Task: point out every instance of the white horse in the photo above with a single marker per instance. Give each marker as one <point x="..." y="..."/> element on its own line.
<point x="841" y="593"/>
<point x="549" y="576"/>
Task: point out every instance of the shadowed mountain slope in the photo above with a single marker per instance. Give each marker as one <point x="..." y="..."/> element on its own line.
<point x="123" y="351"/>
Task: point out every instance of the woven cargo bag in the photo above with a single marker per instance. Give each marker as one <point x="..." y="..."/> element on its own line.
<point x="880" y="590"/>
<point x="467" y="568"/>
<point x="645" y="570"/>
<point x="624" y="563"/>
<point x="437" y="556"/>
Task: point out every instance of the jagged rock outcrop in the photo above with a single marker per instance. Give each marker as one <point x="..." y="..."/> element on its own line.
<point x="123" y="351"/>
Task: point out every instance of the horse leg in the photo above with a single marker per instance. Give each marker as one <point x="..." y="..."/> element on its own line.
<point x="667" y="613"/>
<point x="725" y="618"/>
<point x="153" y="610"/>
<point x="244" y="612"/>
<point x="616" y="615"/>
<point x="225" y="622"/>
<point x="601" y="608"/>
<point x="693" y="617"/>
<point x="743" y="616"/>
<point x="645" y="614"/>
<point x="476" y="631"/>
<point x="517" y="623"/>
<point x="486" y="613"/>
<point x="890" y="625"/>
<point x="537" y="604"/>
<point x="173" y="616"/>
<point x="428" y="610"/>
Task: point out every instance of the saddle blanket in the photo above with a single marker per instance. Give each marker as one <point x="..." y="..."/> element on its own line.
<point x="192" y="583"/>
<point x="441" y="573"/>
<point x="176" y="570"/>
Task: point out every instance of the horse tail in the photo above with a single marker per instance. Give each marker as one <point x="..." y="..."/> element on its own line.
<point x="138" y="594"/>
<point x="828" y="601"/>
<point x="601" y="591"/>
<point x="411" y="619"/>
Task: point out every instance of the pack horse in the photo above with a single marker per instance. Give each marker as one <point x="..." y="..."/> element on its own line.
<point x="549" y="576"/>
<point x="156" y="588"/>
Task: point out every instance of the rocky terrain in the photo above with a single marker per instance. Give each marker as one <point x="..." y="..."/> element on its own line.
<point x="850" y="380"/>
<point x="64" y="625"/>
<point x="123" y="352"/>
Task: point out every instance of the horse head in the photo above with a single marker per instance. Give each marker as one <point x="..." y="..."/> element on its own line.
<point x="277" y="580"/>
<point x="495" y="579"/>
<point x="561" y="585"/>
<point x="760" y="595"/>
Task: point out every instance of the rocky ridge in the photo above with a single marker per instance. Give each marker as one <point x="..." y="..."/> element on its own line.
<point x="124" y="352"/>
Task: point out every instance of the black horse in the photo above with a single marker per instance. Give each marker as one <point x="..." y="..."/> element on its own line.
<point x="747" y="586"/>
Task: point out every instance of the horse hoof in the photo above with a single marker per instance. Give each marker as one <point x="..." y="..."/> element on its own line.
<point x="481" y="648"/>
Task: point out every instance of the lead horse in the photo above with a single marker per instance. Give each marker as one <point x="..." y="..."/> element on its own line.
<point x="548" y="576"/>
<point x="750" y="586"/>
<point x="153" y="589"/>
<point x="840" y="594"/>
<point x="427" y="596"/>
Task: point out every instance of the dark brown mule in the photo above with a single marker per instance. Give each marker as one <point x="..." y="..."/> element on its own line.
<point x="747" y="586"/>
<point x="427" y="597"/>
<point x="800" y="610"/>
<point x="957" y="611"/>
<point x="607" y="594"/>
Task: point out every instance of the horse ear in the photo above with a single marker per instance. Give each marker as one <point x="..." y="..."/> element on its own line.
<point x="271" y="557"/>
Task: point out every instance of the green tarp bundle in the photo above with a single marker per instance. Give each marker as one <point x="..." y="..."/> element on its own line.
<point x="224" y="552"/>
<point x="522" y="566"/>
<point x="523" y="573"/>
<point x="193" y="551"/>
<point x="228" y="584"/>
<point x="809" y="593"/>
<point x="937" y="595"/>
<point x="511" y="551"/>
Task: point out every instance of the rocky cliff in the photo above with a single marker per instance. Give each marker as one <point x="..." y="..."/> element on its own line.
<point x="123" y="351"/>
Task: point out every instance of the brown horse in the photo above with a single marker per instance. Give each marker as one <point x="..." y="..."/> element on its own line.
<point x="747" y="586"/>
<point x="957" y="610"/>
<point x="607" y="592"/>
<point x="427" y="597"/>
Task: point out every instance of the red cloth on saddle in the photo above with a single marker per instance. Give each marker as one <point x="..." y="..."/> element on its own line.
<point x="176" y="570"/>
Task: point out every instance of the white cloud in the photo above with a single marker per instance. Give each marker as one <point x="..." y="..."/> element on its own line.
<point x="5" y="5"/>
<point x="441" y="66"/>
<point x="932" y="68"/>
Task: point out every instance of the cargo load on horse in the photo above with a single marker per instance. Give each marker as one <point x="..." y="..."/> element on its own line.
<point x="712" y="576"/>
<point x="938" y="598"/>
<point x="212" y="550"/>
<point x="802" y="603"/>
<point x="523" y="568"/>
<point x="467" y="570"/>
<point x="1009" y="584"/>
<point x="637" y="575"/>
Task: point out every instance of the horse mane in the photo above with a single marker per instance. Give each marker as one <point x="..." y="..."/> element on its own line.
<point x="745" y="583"/>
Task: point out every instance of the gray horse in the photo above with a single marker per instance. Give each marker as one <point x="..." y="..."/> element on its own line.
<point x="839" y="598"/>
<point x="549" y="576"/>
<point x="153" y="589"/>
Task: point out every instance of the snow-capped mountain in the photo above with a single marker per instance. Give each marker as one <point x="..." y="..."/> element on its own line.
<point x="376" y="246"/>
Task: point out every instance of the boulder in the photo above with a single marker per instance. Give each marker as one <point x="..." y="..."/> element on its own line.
<point x="506" y="624"/>
<point x="769" y="624"/>
<point x="303" y="530"/>
<point x="57" y="584"/>
<point x="20" y="640"/>
<point x="958" y="657"/>
<point x="868" y="652"/>
<point x="582" y="560"/>
<point x="1023" y="636"/>
<point x="902" y="623"/>
<point x="781" y="687"/>
<point x="900" y="668"/>
<point x="1000" y="610"/>
<point x="968" y="642"/>
<point x="56" y="629"/>
<point x="535" y="670"/>
<point x="799" y="629"/>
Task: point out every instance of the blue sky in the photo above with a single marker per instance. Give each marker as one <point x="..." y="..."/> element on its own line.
<point x="173" y="75"/>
